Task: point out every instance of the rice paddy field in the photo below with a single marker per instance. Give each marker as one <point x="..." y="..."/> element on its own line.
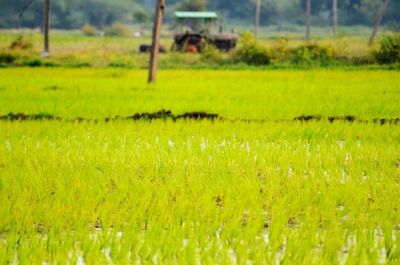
<point x="294" y="167"/>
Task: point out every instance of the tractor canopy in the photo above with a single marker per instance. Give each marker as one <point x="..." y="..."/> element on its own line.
<point x="195" y="21"/>
<point x="195" y="15"/>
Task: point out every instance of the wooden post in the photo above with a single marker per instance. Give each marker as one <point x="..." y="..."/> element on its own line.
<point x="378" y="22"/>
<point x="46" y="51"/>
<point x="257" y="18"/>
<point x="155" y="46"/>
<point x="335" y="17"/>
<point x="308" y="20"/>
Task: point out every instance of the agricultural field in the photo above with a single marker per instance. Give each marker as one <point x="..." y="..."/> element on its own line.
<point x="203" y="167"/>
<point x="73" y="49"/>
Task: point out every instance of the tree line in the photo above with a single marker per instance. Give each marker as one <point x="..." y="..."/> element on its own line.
<point x="71" y="14"/>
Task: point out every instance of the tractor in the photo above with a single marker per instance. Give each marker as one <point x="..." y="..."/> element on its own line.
<point x="194" y="33"/>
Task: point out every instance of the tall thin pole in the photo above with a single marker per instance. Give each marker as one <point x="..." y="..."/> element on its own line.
<point x="46" y="28"/>
<point x="335" y="17"/>
<point x="257" y="19"/>
<point x="155" y="46"/>
<point x="378" y="22"/>
<point x="308" y="20"/>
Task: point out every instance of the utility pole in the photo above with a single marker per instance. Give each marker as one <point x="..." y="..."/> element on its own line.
<point x="308" y="20"/>
<point x="46" y="51"/>
<point x="155" y="46"/>
<point x="335" y="17"/>
<point x="257" y="19"/>
<point x="378" y="22"/>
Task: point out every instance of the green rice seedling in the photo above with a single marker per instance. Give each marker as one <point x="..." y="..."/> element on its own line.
<point x="252" y="94"/>
<point x="82" y="181"/>
<point x="187" y="192"/>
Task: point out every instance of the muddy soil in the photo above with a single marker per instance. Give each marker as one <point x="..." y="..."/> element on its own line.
<point x="197" y="115"/>
<point x="349" y="119"/>
<point x="145" y="116"/>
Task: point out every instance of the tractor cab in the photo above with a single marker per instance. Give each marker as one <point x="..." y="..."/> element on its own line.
<point x="195" y="31"/>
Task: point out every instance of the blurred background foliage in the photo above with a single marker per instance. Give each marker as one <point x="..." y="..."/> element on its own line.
<point x="73" y="14"/>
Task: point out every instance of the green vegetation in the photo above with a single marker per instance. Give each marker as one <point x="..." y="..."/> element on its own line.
<point x="117" y="49"/>
<point x="389" y="50"/>
<point x="187" y="192"/>
<point x="117" y="29"/>
<point x="89" y="30"/>
<point x="222" y="192"/>
<point x="251" y="52"/>
<point x="73" y="14"/>
<point x="281" y="152"/>
<point x="310" y="54"/>
<point x="250" y="94"/>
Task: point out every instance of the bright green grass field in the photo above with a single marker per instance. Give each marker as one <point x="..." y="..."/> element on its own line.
<point x="258" y="94"/>
<point x="200" y="192"/>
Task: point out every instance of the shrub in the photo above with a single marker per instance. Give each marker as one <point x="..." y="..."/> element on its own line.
<point x="362" y="60"/>
<point x="7" y="58"/>
<point x="280" y="51"/>
<point x="21" y="43"/>
<point x="32" y="62"/>
<point x="89" y="30"/>
<point x="312" y="54"/>
<point x="117" y="29"/>
<point x="210" y="53"/>
<point x="389" y="49"/>
<point x="251" y="52"/>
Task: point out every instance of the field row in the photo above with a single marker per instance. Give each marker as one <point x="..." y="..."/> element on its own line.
<point x="270" y="95"/>
<point x="199" y="192"/>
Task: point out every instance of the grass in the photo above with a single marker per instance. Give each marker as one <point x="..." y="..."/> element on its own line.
<point x="250" y="94"/>
<point x="199" y="192"/>
<point x="187" y="192"/>
<point x="196" y="192"/>
<point x="72" y="49"/>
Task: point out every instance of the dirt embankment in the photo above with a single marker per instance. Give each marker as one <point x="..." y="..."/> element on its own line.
<point x="349" y="119"/>
<point x="144" y="116"/>
<point x="197" y="116"/>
